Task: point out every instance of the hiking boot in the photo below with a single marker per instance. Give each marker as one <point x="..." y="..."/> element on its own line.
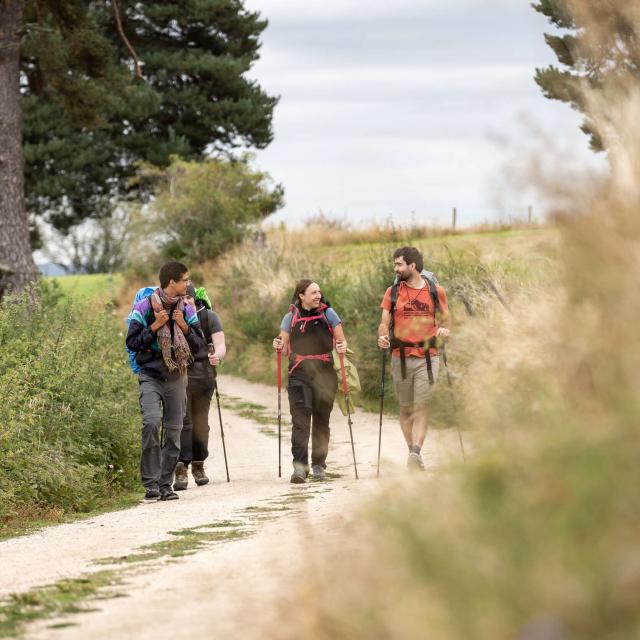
<point x="415" y="462"/>
<point x="151" y="494"/>
<point x="318" y="472"/>
<point x="181" y="479"/>
<point x="300" y="472"/>
<point x="197" y="471"/>
<point x="168" y="494"/>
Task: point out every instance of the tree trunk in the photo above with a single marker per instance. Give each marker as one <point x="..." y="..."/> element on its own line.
<point x="17" y="268"/>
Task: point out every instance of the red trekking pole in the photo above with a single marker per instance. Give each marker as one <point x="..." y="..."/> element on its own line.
<point x="279" y="414"/>
<point x="345" y="388"/>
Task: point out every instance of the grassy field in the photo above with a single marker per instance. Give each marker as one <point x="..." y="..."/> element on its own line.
<point x="252" y="289"/>
<point x="87" y="286"/>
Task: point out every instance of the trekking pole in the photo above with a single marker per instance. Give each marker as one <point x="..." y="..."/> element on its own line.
<point x="449" y="383"/>
<point x="279" y="414"/>
<point x="384" y="364"/>
<point x="211" y="350"/>
<point x="224" y="448"/>
<point x="345" y="388"/>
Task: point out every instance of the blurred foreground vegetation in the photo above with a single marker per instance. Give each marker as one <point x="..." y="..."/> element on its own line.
<point x="536" y="536"/>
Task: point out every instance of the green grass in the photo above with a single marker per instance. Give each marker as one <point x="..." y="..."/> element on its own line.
<point x="184" y="542"/>
<point x="251" y="411"/>
<point x="69" y="436"/>
<point x="480" y="272"/>
<point x="62" y="598"/>
<point x="88" y="286"/>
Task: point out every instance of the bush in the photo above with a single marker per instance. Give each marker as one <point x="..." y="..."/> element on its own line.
<point x="69" y="433"/>
<point x="205" y="208"/>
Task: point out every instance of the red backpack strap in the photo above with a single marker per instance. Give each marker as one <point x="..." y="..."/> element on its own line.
<point x="295" y="315"/>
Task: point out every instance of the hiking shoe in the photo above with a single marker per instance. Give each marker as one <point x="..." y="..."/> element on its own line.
<point x="300" y="473"/>
<point x="197" y="471"/>
<point x="151" y="494"/>
<point x="181" y="479"/>
<point x="168" y="494"/>
<point x="318" y="472"/>
<point x="415" y="462"/>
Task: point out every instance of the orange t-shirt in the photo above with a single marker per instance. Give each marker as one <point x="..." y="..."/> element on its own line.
<point x="414" y="319"/>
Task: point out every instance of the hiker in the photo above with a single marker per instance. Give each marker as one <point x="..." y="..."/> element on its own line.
<point x="308" y="333"/>
<point x="411" y="327"/>
<point x="164" y="332"/>
<point x="194" y="439"/>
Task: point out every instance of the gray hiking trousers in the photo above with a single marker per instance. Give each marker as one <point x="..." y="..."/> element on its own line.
<point x="163" y="404"/>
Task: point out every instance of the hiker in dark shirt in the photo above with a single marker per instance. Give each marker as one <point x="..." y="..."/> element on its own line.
<point x="164" y="333"/>
<point x="194" y="439"/>
<point x="308" y="334"/>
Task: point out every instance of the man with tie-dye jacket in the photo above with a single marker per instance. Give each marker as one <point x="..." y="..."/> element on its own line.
<point x="165" y="333"/>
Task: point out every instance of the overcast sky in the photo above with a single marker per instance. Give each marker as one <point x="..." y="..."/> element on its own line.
<point x="405" y="108"/>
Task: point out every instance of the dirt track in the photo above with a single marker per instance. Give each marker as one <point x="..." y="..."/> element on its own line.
<point x="262" y="527"/>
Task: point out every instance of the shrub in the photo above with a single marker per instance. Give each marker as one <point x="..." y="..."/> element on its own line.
<point x="69" y="432"/>
<point x="205" y="208"/>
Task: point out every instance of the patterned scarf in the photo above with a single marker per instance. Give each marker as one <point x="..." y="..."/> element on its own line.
<point x="180" y="348"/>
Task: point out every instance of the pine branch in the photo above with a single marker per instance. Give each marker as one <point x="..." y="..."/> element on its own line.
<point x="134" y="55"/>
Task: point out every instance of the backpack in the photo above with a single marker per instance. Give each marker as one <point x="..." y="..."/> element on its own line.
<point x="144" y="292"/>
<point x="201" y="294"/>
<point x="205" y="327"/>
<point x="353" y="381"/>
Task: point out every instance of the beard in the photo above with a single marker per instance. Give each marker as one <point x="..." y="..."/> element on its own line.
<point x="403" y="277"/>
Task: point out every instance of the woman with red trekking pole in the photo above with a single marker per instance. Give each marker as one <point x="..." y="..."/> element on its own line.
<point x="308" y="333"/>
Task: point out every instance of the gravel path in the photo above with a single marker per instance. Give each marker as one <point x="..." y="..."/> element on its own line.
<point x="228" y="588"/>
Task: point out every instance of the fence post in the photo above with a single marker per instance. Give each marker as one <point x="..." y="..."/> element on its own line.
<point x="530" y="216"/>
<point x="454" y="218"/>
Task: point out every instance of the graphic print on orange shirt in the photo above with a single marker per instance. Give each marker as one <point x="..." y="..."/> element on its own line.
<point x="414" y="319"/>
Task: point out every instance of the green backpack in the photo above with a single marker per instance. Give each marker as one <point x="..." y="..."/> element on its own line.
<point x="353" y="380"/>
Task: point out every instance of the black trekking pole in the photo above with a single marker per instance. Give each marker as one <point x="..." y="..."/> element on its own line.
<point x="224" y="448"/>
<point x="449" y="383"/>
<point x="345" y="388"/>
<point x="384" y="364"/>
<point x="279" y="414"/>
<point x="215" y="386"/>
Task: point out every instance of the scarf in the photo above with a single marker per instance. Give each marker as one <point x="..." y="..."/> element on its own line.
<point x="179" y="346"/>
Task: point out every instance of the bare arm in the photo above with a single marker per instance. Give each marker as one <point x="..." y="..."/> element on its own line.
<point x="219" y="347"/>
<point x="443" y="317"/>
<point x="281" y="342"/>
<point x="341" y="341"/>
<point x="383" y="330"/>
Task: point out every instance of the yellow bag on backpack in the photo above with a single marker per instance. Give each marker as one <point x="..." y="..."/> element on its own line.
<point x="353" y="380"/>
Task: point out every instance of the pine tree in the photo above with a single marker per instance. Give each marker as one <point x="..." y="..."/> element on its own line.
<point x="599" y="50"/>
<point x="108" y="83"/>
<point x="82" y="145"/>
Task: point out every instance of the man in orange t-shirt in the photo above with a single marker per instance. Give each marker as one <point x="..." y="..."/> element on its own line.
<point x="417" y="323"/>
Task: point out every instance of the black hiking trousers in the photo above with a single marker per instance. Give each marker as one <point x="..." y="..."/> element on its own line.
<point x="194" y="438"/>
<point x="311" y="399"/>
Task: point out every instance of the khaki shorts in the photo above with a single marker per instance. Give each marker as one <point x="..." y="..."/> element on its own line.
<point x="415" y="388"/>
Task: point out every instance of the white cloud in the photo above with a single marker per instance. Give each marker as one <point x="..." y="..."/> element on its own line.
<point x="393" y="107"/>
